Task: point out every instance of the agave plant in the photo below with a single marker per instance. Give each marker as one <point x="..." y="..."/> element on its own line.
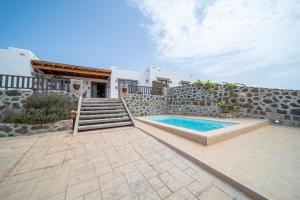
<point x="198" y="84"/>
<point x="208" y="85"/>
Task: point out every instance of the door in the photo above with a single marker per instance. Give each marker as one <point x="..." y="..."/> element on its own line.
<point x="98" y="90"/>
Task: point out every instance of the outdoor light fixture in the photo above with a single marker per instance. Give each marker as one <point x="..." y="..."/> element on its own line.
<point x="277" y="121"/>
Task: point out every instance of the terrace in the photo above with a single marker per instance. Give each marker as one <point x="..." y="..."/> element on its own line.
<point x="107" y="103"/>
<point x="256" y="158"/>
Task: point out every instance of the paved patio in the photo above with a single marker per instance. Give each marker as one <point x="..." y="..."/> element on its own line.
<point x="266" y="160"/>
<point x="123" y="163"/>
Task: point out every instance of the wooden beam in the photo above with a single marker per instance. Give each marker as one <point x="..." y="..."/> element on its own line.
<point x="72" y="71"/>
<point x="67" y="66"/>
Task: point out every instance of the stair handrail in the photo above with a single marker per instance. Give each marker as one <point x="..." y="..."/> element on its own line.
<point x="129" y="113"/>
<point x="75" y="131"/>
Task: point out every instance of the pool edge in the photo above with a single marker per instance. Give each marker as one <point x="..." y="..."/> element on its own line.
<point x="209" y="137"/>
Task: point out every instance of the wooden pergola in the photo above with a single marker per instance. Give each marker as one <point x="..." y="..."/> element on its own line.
<point x="70" y="70"/>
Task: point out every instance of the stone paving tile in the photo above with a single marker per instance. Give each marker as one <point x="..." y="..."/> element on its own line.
<point x="213" y="193"/>
<point x="106" y="177"/>
<point x="122" y="163"/>
<point x="82" y="188"/>
<point x="197" y="188"/>
<point x="183" y="194"/>
<point x="112" y="183"/>
<point x="189" y="171"/>
<point x="116" y="192"/>
<point x="93" y="196"/>
<point x="170" y="181"/>
<point x="146" y="192"/>
<point x="164" y="192"/>
<point x="156" y="183"/>
<point x="59" y="196"/>
<point x="150" y="174"/>
<point x="135" y="180"/>
<point x="163" y="166"/>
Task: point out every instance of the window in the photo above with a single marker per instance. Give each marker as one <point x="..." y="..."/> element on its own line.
<point x="128" y="82"/>
<point x="164" y="81"/>
<point x="184" y="82"/>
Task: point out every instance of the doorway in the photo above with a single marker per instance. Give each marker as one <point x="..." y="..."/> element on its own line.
<point x="98" y="90"/>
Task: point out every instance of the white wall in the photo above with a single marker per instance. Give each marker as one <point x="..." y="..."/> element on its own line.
<point x="123" y="74"/>
<point x="15" y="61"/>
<point x="146" y="76"/>
<point x="175" y="78"/>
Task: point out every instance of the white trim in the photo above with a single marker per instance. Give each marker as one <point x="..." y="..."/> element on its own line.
<point x="75" y="131"/>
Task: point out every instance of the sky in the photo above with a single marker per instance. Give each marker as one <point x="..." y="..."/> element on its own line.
<point x="255" y="42"/>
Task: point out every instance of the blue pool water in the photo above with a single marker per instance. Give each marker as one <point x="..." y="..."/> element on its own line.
<point x="190" y="123"/>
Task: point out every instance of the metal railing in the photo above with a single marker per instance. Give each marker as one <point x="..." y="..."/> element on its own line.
<point x="144" y="90"/>
<point x="33" y="83"/>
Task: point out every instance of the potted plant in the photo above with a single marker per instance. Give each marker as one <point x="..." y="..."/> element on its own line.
<point x="124" y="89"/>
<point x="76" y="85"/>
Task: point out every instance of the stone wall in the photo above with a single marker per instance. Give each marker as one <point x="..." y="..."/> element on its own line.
<point x="12" y="100"/>
<point x="189" y="100"/>
<point x="141" y="105"/>
<point x="254" y="102"/>
<point x="9" y="130"/>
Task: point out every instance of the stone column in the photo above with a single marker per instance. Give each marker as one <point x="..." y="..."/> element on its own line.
<point x="164" y="91"/>
<point x="74" y="86"/>
<point x="123" y="90"/>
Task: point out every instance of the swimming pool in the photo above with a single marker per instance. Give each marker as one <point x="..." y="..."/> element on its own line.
<point x="190" y="123"/>
<point x="202" y="130"/>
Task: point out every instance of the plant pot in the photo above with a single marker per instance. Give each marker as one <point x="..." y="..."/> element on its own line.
<point x="76" y="86"/>
<point x="124" y="90"/>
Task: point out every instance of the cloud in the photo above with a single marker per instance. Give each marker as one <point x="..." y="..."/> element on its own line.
<point x="226" y="38"/>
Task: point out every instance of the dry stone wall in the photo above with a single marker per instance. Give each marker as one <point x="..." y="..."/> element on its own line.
<point x="9" y="130"/>
<point x="189" y="100"/>
<point x="14" y="100"/>
<point x="141" y="105"/>
<point x="255" y="102"/>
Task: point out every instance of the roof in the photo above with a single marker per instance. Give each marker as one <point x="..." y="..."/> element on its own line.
<point x="70" y="70"/>
<point x="162" y="79"/>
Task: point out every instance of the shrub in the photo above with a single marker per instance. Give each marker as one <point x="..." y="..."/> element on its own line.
<point x="41" y="109"/>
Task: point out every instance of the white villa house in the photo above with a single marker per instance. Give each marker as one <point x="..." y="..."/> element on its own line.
<point x="101" y="83"/>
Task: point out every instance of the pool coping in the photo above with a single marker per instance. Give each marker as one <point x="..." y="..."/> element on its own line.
<point x="208" y="137"/>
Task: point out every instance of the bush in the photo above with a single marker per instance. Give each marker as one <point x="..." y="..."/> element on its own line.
<point x="41" y="109"/>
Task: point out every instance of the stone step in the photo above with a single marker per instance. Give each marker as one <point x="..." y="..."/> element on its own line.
<point x="101" y="126"/>
<point x="101" y="116"/>
<point x="90" y="112"/>
<point x="101" y="121"/>
<point x="100" y="105"/>
<point x="103" y="108"/>
<point x="101" y="101"/>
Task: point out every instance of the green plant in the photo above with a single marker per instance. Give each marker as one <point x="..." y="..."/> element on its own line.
<point x="228" y="107"/>
<point x="230" y="104"/>
<point x="198" y="84"/>
<point x="208" y="85"/>
<point x="41" y="109"/>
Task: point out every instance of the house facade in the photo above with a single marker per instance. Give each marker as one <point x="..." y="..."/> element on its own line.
<point x="97" y="83"/>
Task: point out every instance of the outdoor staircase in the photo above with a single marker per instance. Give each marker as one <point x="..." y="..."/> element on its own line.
<point x="96" y="113"/>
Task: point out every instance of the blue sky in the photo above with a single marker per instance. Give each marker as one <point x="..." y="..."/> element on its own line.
<point x="253" y="42"/>
<point x="91" y="32"/>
